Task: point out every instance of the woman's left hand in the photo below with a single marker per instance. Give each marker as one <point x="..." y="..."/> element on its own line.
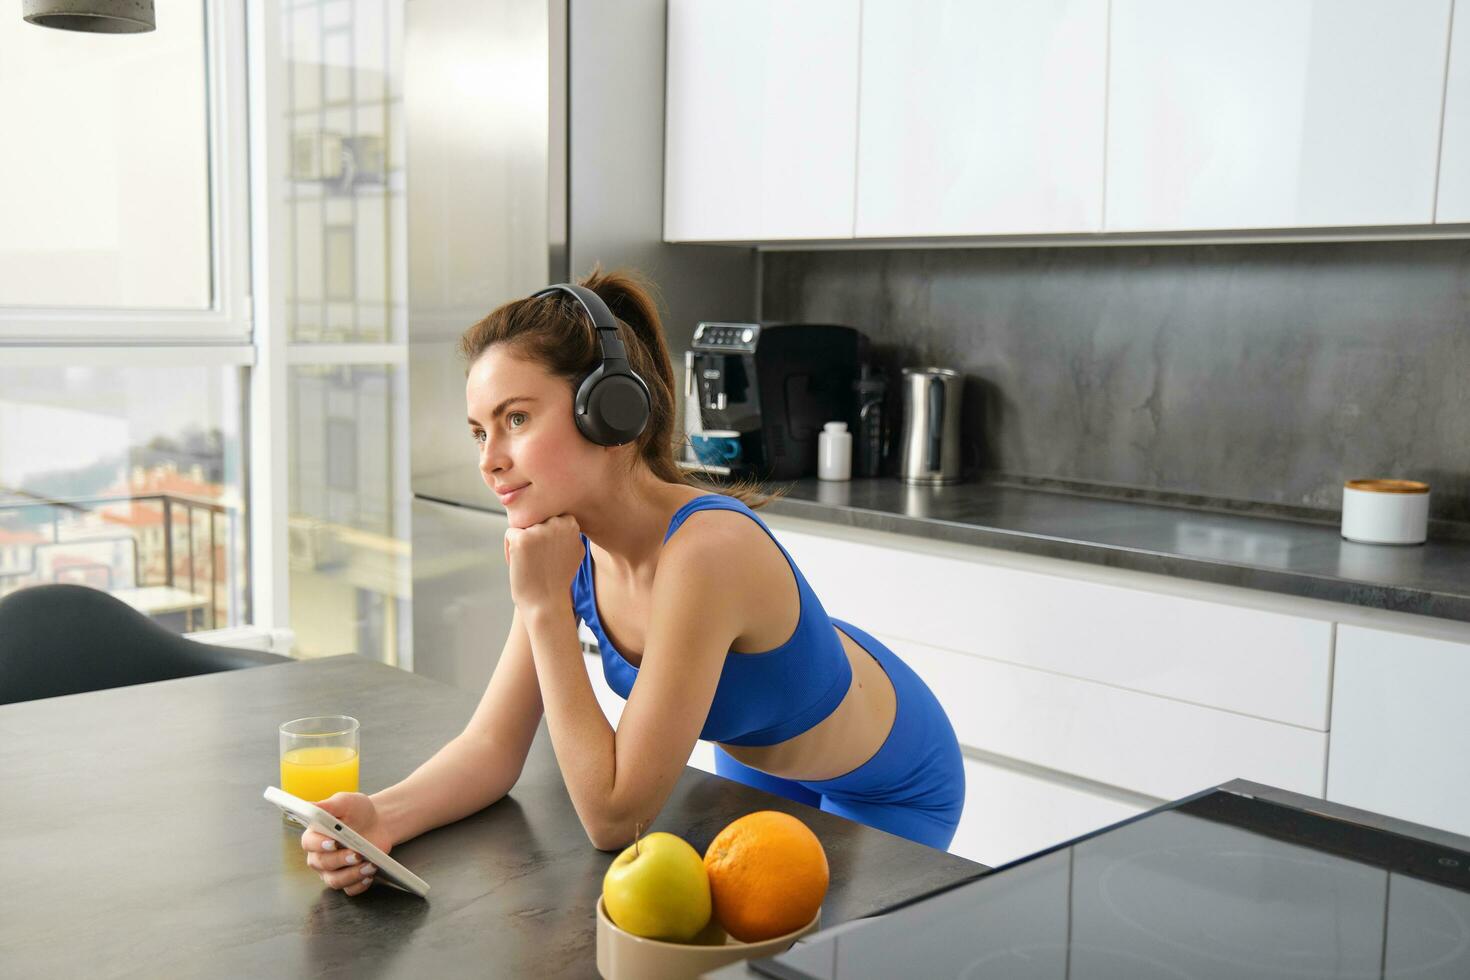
<point x="543" y="560"/>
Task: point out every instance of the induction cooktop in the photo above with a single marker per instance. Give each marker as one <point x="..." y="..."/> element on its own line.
<point x="1224" y="884"/>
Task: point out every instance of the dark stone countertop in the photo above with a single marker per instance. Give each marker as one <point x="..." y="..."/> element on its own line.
<point x="135" y="841"/>
<point x="1258" y="552"/>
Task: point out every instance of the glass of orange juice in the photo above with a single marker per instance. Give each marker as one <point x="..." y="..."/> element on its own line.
<point x="319" y="757"/>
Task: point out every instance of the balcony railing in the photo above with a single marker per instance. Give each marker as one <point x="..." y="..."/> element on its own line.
<point x="65" y="515"/>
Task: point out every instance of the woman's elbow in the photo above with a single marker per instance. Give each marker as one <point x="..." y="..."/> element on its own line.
<point x="612" y="833"/>
<point x="608" y="840"/>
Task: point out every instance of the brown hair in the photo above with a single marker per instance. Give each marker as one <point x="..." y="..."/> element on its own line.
<point x="553" y="331"/>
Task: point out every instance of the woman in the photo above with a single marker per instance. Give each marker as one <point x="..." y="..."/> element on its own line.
<point x="688" y="594"/>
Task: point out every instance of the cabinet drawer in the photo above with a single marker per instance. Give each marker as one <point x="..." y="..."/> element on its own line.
<point x="1151" y="745"/>
<point x="1400" y="728"/>
<point x="1010" y="814"/>
<point x="1266" y="664"/>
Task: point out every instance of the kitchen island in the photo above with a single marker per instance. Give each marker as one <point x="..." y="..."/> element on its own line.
<point x="136" y="842"/>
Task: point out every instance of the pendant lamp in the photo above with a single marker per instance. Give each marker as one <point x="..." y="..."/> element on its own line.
<point x="96" y="16"/>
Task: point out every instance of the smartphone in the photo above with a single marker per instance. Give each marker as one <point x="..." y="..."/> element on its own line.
<point x="313" y="817"/>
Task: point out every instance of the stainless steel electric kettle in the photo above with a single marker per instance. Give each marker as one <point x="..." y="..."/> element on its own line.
<point x="931" y="427"/>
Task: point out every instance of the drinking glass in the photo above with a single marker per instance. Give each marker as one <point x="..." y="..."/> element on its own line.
<point x="319" y="756"/>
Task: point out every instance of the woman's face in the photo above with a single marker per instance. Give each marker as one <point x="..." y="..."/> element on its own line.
<point x="532" y="446"/>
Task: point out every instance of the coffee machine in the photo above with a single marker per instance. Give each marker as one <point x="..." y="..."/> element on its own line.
<point x="776" y="385"/>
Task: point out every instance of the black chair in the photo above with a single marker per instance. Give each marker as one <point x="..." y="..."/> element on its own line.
<point x="66" y="639"/>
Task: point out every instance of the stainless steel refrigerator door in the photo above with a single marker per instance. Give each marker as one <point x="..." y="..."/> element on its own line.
<point x="462" y="609"/>
<point x="492" y="162"/>
<point x="485" y="101"/>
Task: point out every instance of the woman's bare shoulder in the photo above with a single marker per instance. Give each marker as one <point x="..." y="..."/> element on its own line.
<point x="738" y="545"/>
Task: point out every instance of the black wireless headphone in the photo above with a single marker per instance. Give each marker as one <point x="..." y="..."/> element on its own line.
<point x="612" y="403"/>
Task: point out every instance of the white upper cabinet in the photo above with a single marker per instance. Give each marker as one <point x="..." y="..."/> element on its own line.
<point x="840" y="119"/>
<point x="1273" y="113"/>
<point x="761" y="119"/>
<point x="981" y="117"/>
<point x="1454" y="157"/>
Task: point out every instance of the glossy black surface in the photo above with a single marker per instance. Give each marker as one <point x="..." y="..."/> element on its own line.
<point x="1220" y="886"/>
<point x="134" y="840"/>
<point x="1258" y="552"/>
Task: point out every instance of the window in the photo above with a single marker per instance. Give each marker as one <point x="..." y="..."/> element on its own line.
<point x="107" y="193"/>
<point x="202" y="335"/>
<point x="341" y="261"/>
<point x="124" y="328"/>
<point x="344" y="192"/>
<point x="349" y="557"/>
<point x="127" y="478"/>
<point x="124" y="216"/>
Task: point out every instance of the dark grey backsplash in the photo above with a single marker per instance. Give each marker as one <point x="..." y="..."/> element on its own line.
<point x="1260" y="374"/>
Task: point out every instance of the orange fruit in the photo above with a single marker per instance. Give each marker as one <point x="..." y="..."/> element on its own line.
<point x="767" y="875"/>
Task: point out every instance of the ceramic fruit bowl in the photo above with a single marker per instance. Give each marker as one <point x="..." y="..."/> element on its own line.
<point x="624" y="956"/>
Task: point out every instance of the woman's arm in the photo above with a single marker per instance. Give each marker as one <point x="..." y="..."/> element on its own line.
<point x="699" y="610"/>
<point x="482" y="763"/>
<point x="620" y="779"/>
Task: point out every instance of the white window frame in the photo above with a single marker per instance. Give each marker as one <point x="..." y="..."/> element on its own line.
<point x="228" y="320"/>
<point x="267" y="455"/>
<point x="269" y="449"/>
<point x="128" y="356"/>
<point x="248" y="638"/>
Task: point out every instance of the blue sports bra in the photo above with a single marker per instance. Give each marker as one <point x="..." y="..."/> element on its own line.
<point x="762" y="698"/>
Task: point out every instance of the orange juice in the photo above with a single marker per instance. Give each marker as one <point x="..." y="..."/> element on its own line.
<point x="313" y="774"/>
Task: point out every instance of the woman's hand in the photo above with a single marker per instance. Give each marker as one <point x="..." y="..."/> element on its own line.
<point x="543" y="560"/>
<point x="339" y="867"/>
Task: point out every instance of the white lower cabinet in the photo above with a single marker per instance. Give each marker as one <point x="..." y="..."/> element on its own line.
<point x="1145" y="695"/>
<point x="1150" y="745"/>
<point x="1248" y="661"/>
<point x="703" y="756"/>
<point x="1400" y="728"/>
<point x="607" y="698"/>
<point x="1010" y="813"/>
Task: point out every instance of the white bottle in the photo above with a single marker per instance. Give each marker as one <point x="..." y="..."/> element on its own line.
<point x="834" y="452"/>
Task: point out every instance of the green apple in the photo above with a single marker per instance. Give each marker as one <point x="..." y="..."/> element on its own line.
<point x="658" y="889"/>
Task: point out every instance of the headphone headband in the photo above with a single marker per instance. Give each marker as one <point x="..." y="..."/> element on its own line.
<point x="602" y="318"/>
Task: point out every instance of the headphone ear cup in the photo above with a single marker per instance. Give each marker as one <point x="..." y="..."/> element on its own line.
<point x="611" y="409"/>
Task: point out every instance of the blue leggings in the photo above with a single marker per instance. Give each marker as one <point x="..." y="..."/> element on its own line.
<point x="914" y="786"/>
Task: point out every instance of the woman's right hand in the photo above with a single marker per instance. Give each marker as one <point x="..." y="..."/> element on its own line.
<point x="339" y="867"/>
